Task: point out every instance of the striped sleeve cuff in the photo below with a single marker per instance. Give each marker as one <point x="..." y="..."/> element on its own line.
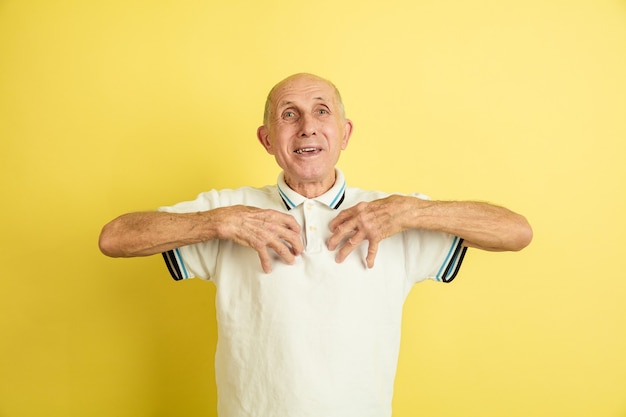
<point x="175" y="265"/>
<point x="453" y="261"/>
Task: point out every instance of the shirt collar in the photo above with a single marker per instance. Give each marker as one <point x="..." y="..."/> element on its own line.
<point x="332" y="198"/>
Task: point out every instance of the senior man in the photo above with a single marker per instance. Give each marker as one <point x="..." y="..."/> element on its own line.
<point x="311" y="274"/>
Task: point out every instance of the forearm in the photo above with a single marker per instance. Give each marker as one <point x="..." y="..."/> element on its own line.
<point x="481" y="225"/>
<point x="149" y="233"/>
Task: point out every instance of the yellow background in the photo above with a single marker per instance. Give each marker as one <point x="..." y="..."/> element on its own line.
<point x="122" y="105"/>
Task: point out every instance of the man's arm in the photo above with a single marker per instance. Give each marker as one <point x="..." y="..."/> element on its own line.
<point x="149" y="233"/>
<point x="480" y="225"/>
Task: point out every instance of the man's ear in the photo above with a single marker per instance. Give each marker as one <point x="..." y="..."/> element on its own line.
<point x="347" y="132"/>
<point x="262" y="133"/>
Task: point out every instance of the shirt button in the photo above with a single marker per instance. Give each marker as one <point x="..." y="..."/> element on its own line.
<point x="312" y="228"/>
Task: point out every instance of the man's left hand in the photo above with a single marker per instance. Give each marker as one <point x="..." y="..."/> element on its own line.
<point x="372" y="221"/>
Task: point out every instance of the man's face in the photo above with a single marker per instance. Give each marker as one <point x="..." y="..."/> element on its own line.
<point x="306" y="131"/>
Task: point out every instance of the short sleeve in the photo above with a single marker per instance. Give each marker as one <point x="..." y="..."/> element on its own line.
<point x="196" y="260"/>
<point x="439" y="254"/>
<point x="193" y="261"/>
<point x="433" y="255"/>
<point x="452" y="262"/>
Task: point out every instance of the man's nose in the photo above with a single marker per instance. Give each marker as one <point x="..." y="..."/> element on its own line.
<point x="307" y="126"/>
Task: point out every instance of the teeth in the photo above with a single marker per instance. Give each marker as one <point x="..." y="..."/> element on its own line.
<point x="300" y="151"/>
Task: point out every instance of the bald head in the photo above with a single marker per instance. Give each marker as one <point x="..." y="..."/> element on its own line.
<point x="269" y="103"/>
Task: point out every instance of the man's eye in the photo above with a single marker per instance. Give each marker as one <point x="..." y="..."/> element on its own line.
<point x="289" y="114"/>
<point x="322" y="111"/>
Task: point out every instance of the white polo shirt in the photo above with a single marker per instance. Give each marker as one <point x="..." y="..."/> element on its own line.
<point x="317" y="338"/>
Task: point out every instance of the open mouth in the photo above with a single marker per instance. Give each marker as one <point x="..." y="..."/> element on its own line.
<point x="303" y="151"/>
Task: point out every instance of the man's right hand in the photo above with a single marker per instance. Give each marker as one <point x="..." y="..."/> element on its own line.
<point x="262" y="230"/>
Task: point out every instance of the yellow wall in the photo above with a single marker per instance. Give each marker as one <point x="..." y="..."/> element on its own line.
<point x="121" y="105"/>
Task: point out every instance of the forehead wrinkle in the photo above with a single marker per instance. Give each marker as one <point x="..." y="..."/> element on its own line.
<point x="285" y="103"/>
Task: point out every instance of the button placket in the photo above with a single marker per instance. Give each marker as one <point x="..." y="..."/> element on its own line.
<point x="312" y="230"/>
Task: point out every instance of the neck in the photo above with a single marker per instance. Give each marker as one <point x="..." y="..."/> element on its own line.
<point x="311" y="189"/>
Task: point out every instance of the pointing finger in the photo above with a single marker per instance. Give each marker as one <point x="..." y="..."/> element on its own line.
<point x="348" y="247"/>
<point x="372" y="250"/>
<point x="266" y="261"/>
